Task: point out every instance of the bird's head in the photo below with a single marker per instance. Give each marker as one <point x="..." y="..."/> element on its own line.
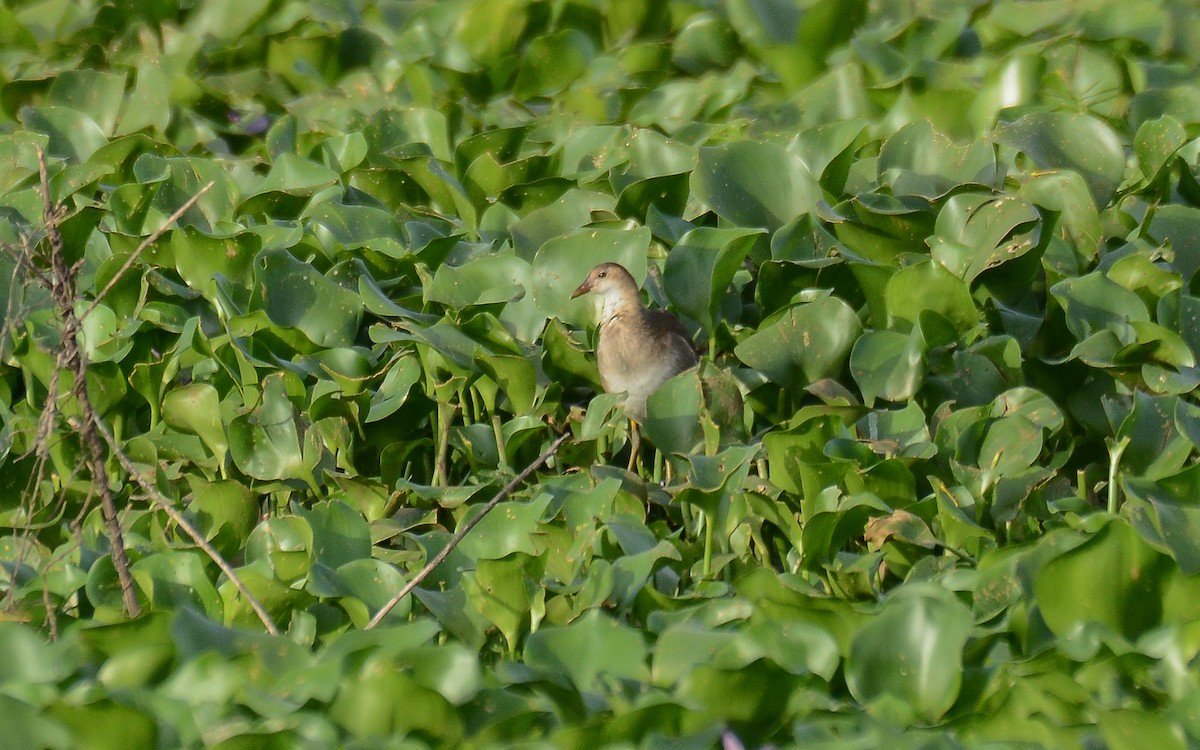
<point x="607" y="280"/>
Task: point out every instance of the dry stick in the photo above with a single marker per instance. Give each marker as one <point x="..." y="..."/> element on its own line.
<point x="141" y="248"/>
<point x="62" y="290"/>
<point x="465" y="529"/>
<point x="161" y="501"/>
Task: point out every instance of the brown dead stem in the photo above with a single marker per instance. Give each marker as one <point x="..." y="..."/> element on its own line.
<point x="62" y="279"/>
<point x="52" y="270"/>
<point x="181" y="520"/>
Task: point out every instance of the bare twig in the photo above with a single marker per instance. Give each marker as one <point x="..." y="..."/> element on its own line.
<point x="62" y="291"/>
<point x="141" y="248"/>
<point x="465" y="529"/>
<point x="181" y="520"/>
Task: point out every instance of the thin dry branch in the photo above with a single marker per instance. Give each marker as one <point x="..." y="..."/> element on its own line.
<point x="141" y="248"/>
<point x="466" y="529"/>
<point x="175" y="515"/>
<point x="62" y="291"/>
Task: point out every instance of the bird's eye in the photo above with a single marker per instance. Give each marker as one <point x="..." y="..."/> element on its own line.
<point x="602" y="275"/>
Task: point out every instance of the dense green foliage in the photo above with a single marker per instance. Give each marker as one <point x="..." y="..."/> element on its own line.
<point x="933" y="485"/>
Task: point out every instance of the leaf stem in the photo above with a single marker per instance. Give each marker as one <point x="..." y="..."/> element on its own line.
<point x="1115" y="450"/>
<point x="501" y="448"/>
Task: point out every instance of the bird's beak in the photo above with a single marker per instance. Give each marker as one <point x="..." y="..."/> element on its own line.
<point x="582" y="289"/>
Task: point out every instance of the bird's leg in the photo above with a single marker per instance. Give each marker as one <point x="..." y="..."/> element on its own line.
<point x="635" y="444"/>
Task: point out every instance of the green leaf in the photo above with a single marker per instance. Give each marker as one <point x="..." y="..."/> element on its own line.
<point x="551" y="62"/>
<point x="507" y="529"/>
<point x="196" y="408"/>
<point x="907" y="661"/>
<point x="294" y="294"/>
<point x="73" y="135"/>
<point x="976" y="233"/>
<point x="265" y="444"/>
<point x="701" y="268"/>
<point x="1076" y="142"/>
<point x="804" y="343"/>
<point x="1156" y="143"/>
<point x="504" y="593"/>
<point x="285" y="544"/>
<point x="589" y="651"/>
<point x="917" y="160"/>
<point x="1113" y="579"/>
<point x="754" y="184"/>
<point x="888" y="365"/>
<point x="929" y="286"/>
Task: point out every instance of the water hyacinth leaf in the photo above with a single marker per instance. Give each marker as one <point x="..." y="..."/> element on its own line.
<point x="177" y="578"/>
<point x="1066" y="194"/>
<point x="570" y="212"/>
<point x="1156" y="142"/>
<point x="369" y="585"/>
<point x="928" y="286"/>
<point x="148" y="104"/>
<point x="178" y="180"/>
<point x="73" y="135"/>
<point x="196" y="408"/>
<point x="706" y="42"/>
<point x="593" y="648"/>
<point x="285" y="544"/>
<point x="95" y="93"/>
<point x="833" y="520"/>
<point x="1180" y="226"/>
<point x="977" y="232"/>
<point x="517" y="378"/>
<point x="1113" y="579"/>
<point x="649" y="154"/>
<point x="265" y="444"/>
<point x="1155" y="445"/>
<point x="354" y="226"/>
<point x="391" y="394"/>
<point x="349" y="367"/>
<point x="448" y="668"/>
<point x="827" y="151"/>
<point x="551" y="62"/>
<point x="503" y="592"/>
<point x="199" y="258"/>
<point x="918" y="160"/>
<point x="226" y="512"/>
<point x="28" y="726"/>
<point x="286" y="189"/>
<point x="1077" y="142"/>
<point x="902" y="432"/>
<point x="887" y="365"/>
<point x="805" y="343"/>
<point x="1093" y="304"/>
<point x="509" y="528"/>
<point x="103" y="340"/>
<point x="484" y="280"/>
<point x="701" y="267"/>
<point x="908" y="659"/>
<point x="1129" y="729"/>
<point x="380" y="699"/>
<point x="340" y="534"/>
<point x="1166" y="513"/>
<point x="295" y="294"/>
<point x="294" y="175"/>
<point x="753" y="184"/>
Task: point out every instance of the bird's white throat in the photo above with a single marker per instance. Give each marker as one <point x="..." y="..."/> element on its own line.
<point x="610" y="305"/>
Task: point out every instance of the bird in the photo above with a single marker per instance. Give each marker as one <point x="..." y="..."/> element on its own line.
<point x="638" y="349"/>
